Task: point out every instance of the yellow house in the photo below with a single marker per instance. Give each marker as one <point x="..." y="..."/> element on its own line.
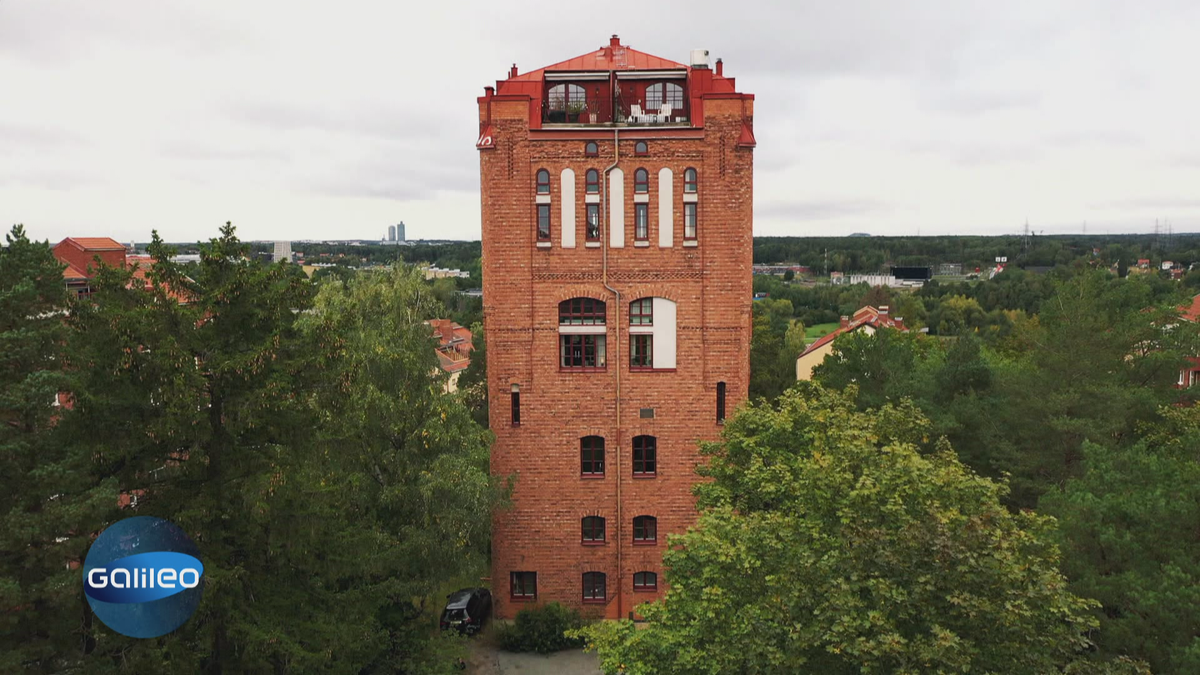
<point x="868" y="319"/>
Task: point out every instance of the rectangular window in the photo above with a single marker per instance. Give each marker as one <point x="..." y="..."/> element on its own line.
<point x="581" y="351"/>
<point x="522" y="585"/>
<point x="543" y="222"/>
<point x="720" y="403"/>
<point x="593" y="587"/>
<point x="641" y="351"/>
<point x="641" y="312"/>
<point x="591" y="457"/>
<point x="641" y="221"/>
<point x="645" y="530"/>
<point x="593" y="530"/>
<point x="516" y="406"/>
<point x="689" y="220"/>
<point x="593" y="222"/>
<point x="645" y="456"/>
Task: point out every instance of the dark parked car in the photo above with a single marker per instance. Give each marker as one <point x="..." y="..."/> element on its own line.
<point x="466" y="610"/>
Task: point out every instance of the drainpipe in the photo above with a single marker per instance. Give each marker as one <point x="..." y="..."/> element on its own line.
<point x="617" y="361"/>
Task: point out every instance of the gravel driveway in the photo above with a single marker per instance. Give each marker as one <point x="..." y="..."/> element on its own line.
<point x="487" y="660"/>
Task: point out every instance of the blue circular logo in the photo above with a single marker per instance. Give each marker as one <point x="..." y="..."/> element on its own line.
<point x="143" y="577"/>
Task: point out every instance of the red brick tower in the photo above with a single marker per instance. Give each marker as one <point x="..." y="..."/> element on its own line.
<point x="617" y="206"/>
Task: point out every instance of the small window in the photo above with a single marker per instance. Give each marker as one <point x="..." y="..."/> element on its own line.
<point x="591" y="149"/>
<point x="645" y="456"/>
<point x="543" y="222"/>
<point x="640" y="148"/>
<point x="516" y="405"/>
<point x="641" y="222"/>
<point x="591" y="456"/>
<point x="689" y="220"/>
<point x="689" y="180"/>
<point x="581" y="351"/>
<point x="581" y="312"/>
<point x="720" y="403"/>
<point x="641" y="312"/>
<point x="645" y="581"/>
<point x="522" y="585"/>
<point x="593" y="587"/>
<point x="592" y="182"/>
<point x="543" y="182"/>
<point x="641" y="348"/>
<point x="593" y="222"/>
<point x="641" y="181"/>
<point x="645" y="530"/>
<point x="593" y="530"/>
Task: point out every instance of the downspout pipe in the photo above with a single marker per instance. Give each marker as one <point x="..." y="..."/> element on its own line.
<point x="616" y="362"/>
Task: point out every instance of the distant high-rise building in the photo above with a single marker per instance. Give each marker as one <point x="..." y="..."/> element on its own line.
<point x="400" y="231"/>
<point x="283" y="251"/>
<point x="391" y="233"/>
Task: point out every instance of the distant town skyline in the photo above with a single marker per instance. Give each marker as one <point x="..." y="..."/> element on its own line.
<point x="332" y="122"/>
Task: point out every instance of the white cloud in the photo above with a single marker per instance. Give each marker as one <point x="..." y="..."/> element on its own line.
<point x="315" y="119"/>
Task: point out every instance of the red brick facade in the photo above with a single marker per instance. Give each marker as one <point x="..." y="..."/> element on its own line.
<point x="710" y="284"/>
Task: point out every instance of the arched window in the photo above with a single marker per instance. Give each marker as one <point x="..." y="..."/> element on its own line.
<point x="594" y="587"/>
<point x="641" y="181"/>
<point x="543" y="182"/>
<point x="645" y="460"/>
<point x="645" y="581"/>
<point x="661" y="93"/>
<point x="581" y="312"/>
<point x="591" y="149"/>
<point x="640" y="148"/>
<point x="593" y="530"/>
<point x="567" y="96"/>
<point x="645" y="530"/>
<point x="689" y="180"/>
<point x="591" y="457"/>
<point x="592" y="182"/>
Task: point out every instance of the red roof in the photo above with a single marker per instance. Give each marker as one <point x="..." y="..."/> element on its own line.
<point x="96" y="243"/>
<point x="866" y="316"/>
<point x="612" y="57"/>
<point x="1191" y="312"/>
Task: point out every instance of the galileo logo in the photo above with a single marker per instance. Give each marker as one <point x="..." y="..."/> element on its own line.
<point x="143" y="577"/>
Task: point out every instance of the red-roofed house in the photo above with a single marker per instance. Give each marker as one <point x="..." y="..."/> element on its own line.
<point x="453" y="349"/>
<point x="868" y="319"/>
<point x="79" y="254"/>
<point x="1190" y="376"/>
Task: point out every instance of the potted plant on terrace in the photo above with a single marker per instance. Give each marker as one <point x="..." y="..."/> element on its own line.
<point x="573" y="110"/>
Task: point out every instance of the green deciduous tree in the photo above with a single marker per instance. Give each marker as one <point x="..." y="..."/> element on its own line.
<point x="828" y="544"/>
<point x="1129" y="532"/>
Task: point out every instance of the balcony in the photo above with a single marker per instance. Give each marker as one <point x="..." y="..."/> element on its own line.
<point x="632" y="111"/>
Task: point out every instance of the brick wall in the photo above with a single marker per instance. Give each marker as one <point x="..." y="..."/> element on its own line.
<point x="523" y="284"/>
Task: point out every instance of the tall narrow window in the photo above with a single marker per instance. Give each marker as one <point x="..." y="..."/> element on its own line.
<point x="641" y="181"/>
<point x="543" y="182"/>
<point x="591" y="457"/>
<point x="593" y="587"/>
<point x="522" y="585"/>
<point x="645" y="530"/>
<point x="641" y="312"/>
<point x="593" y="530"/>
<point x="720" y="403"/>
<point x="645" y="462"/>
<point x="689" y="180"/>
<point x="543" y="222"/>
<point x="645" y="581"/>
<point x="593" y="222"/>
<point x="641" y="351"/>
<point x="689" y="220"/>
<point x="641" y="222"/>
<point x="516" y="405"/>
<point x="592" y="182"/>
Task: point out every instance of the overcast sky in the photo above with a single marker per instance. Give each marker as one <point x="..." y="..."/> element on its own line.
<point x="309" y="120"/>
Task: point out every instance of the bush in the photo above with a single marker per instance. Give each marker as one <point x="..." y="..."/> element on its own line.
<point x="541" y="629"/>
